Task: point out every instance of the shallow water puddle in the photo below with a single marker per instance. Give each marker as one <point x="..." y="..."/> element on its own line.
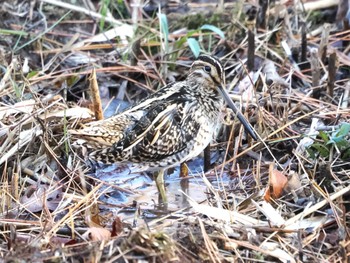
<point x="139" y="191"/>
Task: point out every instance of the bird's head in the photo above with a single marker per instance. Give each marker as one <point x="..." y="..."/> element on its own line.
<point x="208" y="69"/>
<point x="209" y="72"/>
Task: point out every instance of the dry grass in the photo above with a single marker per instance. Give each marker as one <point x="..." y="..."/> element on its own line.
<point x="286" y="196"/>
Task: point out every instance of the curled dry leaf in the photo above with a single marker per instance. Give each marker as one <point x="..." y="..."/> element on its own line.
<point x="277" y="182"/>
<point x="295" y="186"/>
<point x="276" y="251"/>
<point x="312" y="224"/>
<point x="226" y="215"/>
<point x="38" y="196"/>
<point x="270" y="70"/>
<point x="273" y="215"/>
<point x="117" y="226"/>
<point x="25" y="137"/>
<point x="71" y="113"/>
<point x="26" y="107"/>
<point x="97" y="234"/>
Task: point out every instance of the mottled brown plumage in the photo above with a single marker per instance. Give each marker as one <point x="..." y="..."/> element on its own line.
<point x="167" y="128"/>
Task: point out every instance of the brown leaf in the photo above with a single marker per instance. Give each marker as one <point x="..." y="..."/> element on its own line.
<point x="93" y="214"/>
<point x="294" y="185"/>
<point x="117" y="226"/>
<point x="277" y="182"/>
<point x="97" y="234"/>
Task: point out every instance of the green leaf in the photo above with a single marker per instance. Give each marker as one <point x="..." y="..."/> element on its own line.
<point x="344" y="130"/>
<point x="335" y="140"/>
<point x="324" y="136"/>
<point x="311" y="153"/>
<point x="194" y="46"/>
<point x="342" y="144"/>
<point x="164" y="29"/>
<point x="346" y="155"/>
<point x="32" y="74"/>
<point x="214" y="29"/>
<point x="104" y="8"/>
<point x="180" y="42"/>
<point x="192" y="32"/>
<point x="321" y="149"/>
<point x="12" y="32"/>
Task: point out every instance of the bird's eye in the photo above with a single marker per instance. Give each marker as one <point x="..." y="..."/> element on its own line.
<point x="207" y="69"/>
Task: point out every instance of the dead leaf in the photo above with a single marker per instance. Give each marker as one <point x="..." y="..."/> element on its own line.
<point x="273" y="215"/>
<point x="226" y="215"/>
<point x="25" y="137"/>
<point x="23" y="107"/>
<point x="95" y="96"/>
<point x="97" y="234"/>
<point x="276" y="251"/>
<point x="277" y="182"/>
<point x="38" y="196"/>
<point x="294" y="185"/>
<point x="92" y="216"/>
<point x="71" y="113"/>
<point x="117" y="226"/>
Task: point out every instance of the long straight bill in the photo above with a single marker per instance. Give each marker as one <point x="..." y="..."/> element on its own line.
<point x="248" y="128"/>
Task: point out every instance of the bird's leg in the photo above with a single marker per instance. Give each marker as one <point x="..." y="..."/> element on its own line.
<point x="206" y="159"/>
<point x="183" y="170"/>
<point x="160" y="186"/>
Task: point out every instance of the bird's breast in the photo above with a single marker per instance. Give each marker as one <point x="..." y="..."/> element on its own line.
<point x="209" y="122"/>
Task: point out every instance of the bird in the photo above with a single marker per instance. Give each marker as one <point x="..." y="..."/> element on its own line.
<point x="167" y="128"/>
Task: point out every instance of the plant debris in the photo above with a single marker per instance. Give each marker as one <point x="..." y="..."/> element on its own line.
<point x="282" y="198"/>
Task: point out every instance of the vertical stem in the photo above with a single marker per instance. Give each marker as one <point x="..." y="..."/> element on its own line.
<point x="316" y="93"/>
<point x="322" y="52"/>
<point x="261" y="18"/>
<point x="251" y="50"/>
<point x="331" y="73"/>
<point x="95" y="96"/>
<point x="303" y="47"/>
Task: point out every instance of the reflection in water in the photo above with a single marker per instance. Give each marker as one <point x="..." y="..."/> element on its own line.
<point x="125" y="189"/>
<point x="184" y="183"/>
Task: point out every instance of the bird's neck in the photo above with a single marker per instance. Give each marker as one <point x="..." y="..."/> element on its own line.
<point x="203" y="87"/>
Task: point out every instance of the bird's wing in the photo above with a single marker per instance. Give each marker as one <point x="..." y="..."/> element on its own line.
<point x="164" y="130"/>
<point x="104" y="133"/>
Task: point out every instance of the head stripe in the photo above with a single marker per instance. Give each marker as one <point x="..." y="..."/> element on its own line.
<point x="215" y="62"/>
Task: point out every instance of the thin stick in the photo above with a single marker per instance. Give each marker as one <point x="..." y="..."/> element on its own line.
<point x="331" y="73"/>
<point x="303" y="47"/>
<point x="251" y="50"/>
<point x="317" y="206"/>
<point x="95" y="96"/>
<point x="83" y="10"/>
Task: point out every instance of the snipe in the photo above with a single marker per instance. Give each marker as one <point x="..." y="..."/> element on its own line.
<point x="167" y="128"/>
